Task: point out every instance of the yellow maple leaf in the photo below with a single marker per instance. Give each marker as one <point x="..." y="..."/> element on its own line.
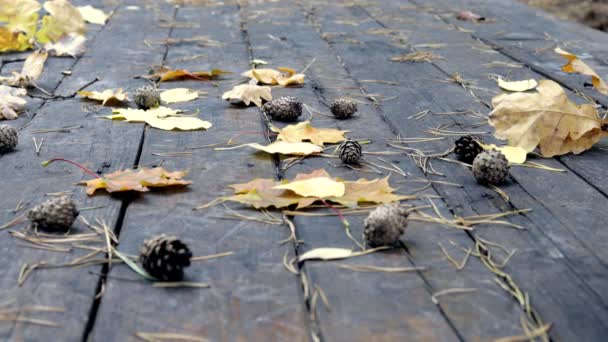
<point x="11" y="102"/>
<point x="21" y="18"/>
<point x="31" y="71"/>
<point x="248" y="93"/>
<point x="283" y="76"/>
<point x="93" y="15"/>
<point x="178" y="95"/>
<point x="304" y="131"/>
<point x="64" y="19"/>
<point x="575" y="65"/>
<point x="107" y="96"/>
<point x="160" y="117"/>
<point x="136" y="180"/>
<point x="163" y="74"/>
<point x="72" y="44"/>
<point x="523" y="85"/>
<point x="320" y="187"/>
<point x="547" y="119"/>
<point x="368" y="191"/>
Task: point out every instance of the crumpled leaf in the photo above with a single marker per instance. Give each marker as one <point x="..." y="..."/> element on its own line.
<point x="575" y="65"/>
<point x="31" y="71"/>
<point x="320" y="187"/>
<point x="303" y="131"/>
<point x="11" y="102"/>
<point x="160" y="117"/>
<point x="93" y="15"/>
<point x="107" y="96"/>
<point x="514" y="154"/>
<point x="178" y="95"/>
<point x="547" y="119"/>
<point x="248" y="93"/>
<point x="288" y="148"/>
<point x="470" y="16"/>
<point x="136" y="180"/>
<point x="283" y="76"/>
<point x="64" y="19"/>
<point x="524" y="85"/>
<point x="164" y="74"/>
<point x="264" y="193"/>
<point x="72" y="44"/>
<point x="21" y="17"/>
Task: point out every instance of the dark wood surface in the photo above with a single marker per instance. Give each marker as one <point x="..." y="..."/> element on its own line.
<point x="560" y="260"/>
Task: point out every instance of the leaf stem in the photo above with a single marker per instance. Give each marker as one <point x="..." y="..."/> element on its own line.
<point x="345" y="223"/>
<point x="82" y="167"/>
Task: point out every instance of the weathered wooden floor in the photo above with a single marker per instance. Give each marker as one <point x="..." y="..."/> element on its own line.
<point x="560" y="264"/>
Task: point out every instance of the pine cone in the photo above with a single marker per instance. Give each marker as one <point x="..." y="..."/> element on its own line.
<point x="467" y="147"/>
<point x="490" y="167"/>
<point x="350" y="152"/>
<point x="165" y="257"/>
<point x="286" y="108"/>
<point x="54" y="215"/>
<point x="8" y="138"/>
<point x="147" y="97"/>
<point x="343" y="108"/>
<point x="385" y="225"/>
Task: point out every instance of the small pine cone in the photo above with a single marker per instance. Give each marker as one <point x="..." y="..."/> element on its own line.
<point x="490" y="167"/>
<point x="165" y="257"/>
<point x="54" y="215"/>
<point x="8" y="138"/>
<point x="286" y="108"/>
<point x="350" y="152"/>
<point x="147" y="97"/>
<point x="467" y="147"/>
<point x="385" y="225"/>
<point x="343" y="108"/>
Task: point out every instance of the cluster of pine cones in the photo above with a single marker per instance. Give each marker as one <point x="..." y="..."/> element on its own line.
<point x="489" y="167"/>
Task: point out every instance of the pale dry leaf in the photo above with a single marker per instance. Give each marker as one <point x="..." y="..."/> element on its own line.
<point x="93" y="15"/>
<point x="514" y="154"/>
<point x="320" y="187"/>
<point x="140" y="180"/>
<point x="108" y="96"/>
<point x="547" y="119"/>
<point x="523" y="85"/>
<point x="64" y="18"/>
<point x="575" y="65"/>
<point x="160" y="117"/>
<point x="283" y="76"/>
<point x="304" y="131"/>
<point x="30" y="73"/>
<point x="248" y="93"/>
<point x="164" y="74"/>
<point x="178" y="95"/>
<point x="11" y="102"/>
<point x="288" y="148"/>
<point x="72" y="44"/>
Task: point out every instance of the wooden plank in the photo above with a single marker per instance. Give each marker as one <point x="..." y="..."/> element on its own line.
<point x="349" y="291"/>
<point x="441" y="97"/>
<point x="473" y="65"/>
<point x="252" y="297"/>
<point x="98" y="145"/>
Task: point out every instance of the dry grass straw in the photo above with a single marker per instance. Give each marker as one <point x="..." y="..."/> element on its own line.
<point x="372" y="268"/>
<point x="450" y="291"/>
<point x="417" y="57"/>
<point x="16" y="315"/>
<point x="156" y="337"/>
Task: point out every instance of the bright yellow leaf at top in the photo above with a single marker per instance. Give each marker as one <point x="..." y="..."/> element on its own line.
<point x="320" y="187"/>
<point x="575" y="65"/>
<point x="64" y="18"/>
<point x="93" y="15"/>
<point x="18" y="20"/>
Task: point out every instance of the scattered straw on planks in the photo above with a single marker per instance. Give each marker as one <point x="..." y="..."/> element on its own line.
<point x="417" y="57"/>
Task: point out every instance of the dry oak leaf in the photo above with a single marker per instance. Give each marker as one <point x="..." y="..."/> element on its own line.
<point x="64" y="19"/>
<point x="160" y="117"/>
<point x="575" y="65"/>
<point x="524" y="85"/>
<point x="264" y="193"/>
<point x="164" y="74"/>
<point x="72" y="44"/>
<point x="304" y="131"/>
<point x="93" y="15"/>
<point x="107" y="96"/>
<point x="31" y="71"/>
<point x="283" y="76"/>
<point x="11" y="102"/>
<point x="136" y="180"/>
<point x="547" y="119"/>
<point x="20" y="18"/>
<point x="248" y="93"/>
<point x="178" y="95"/>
